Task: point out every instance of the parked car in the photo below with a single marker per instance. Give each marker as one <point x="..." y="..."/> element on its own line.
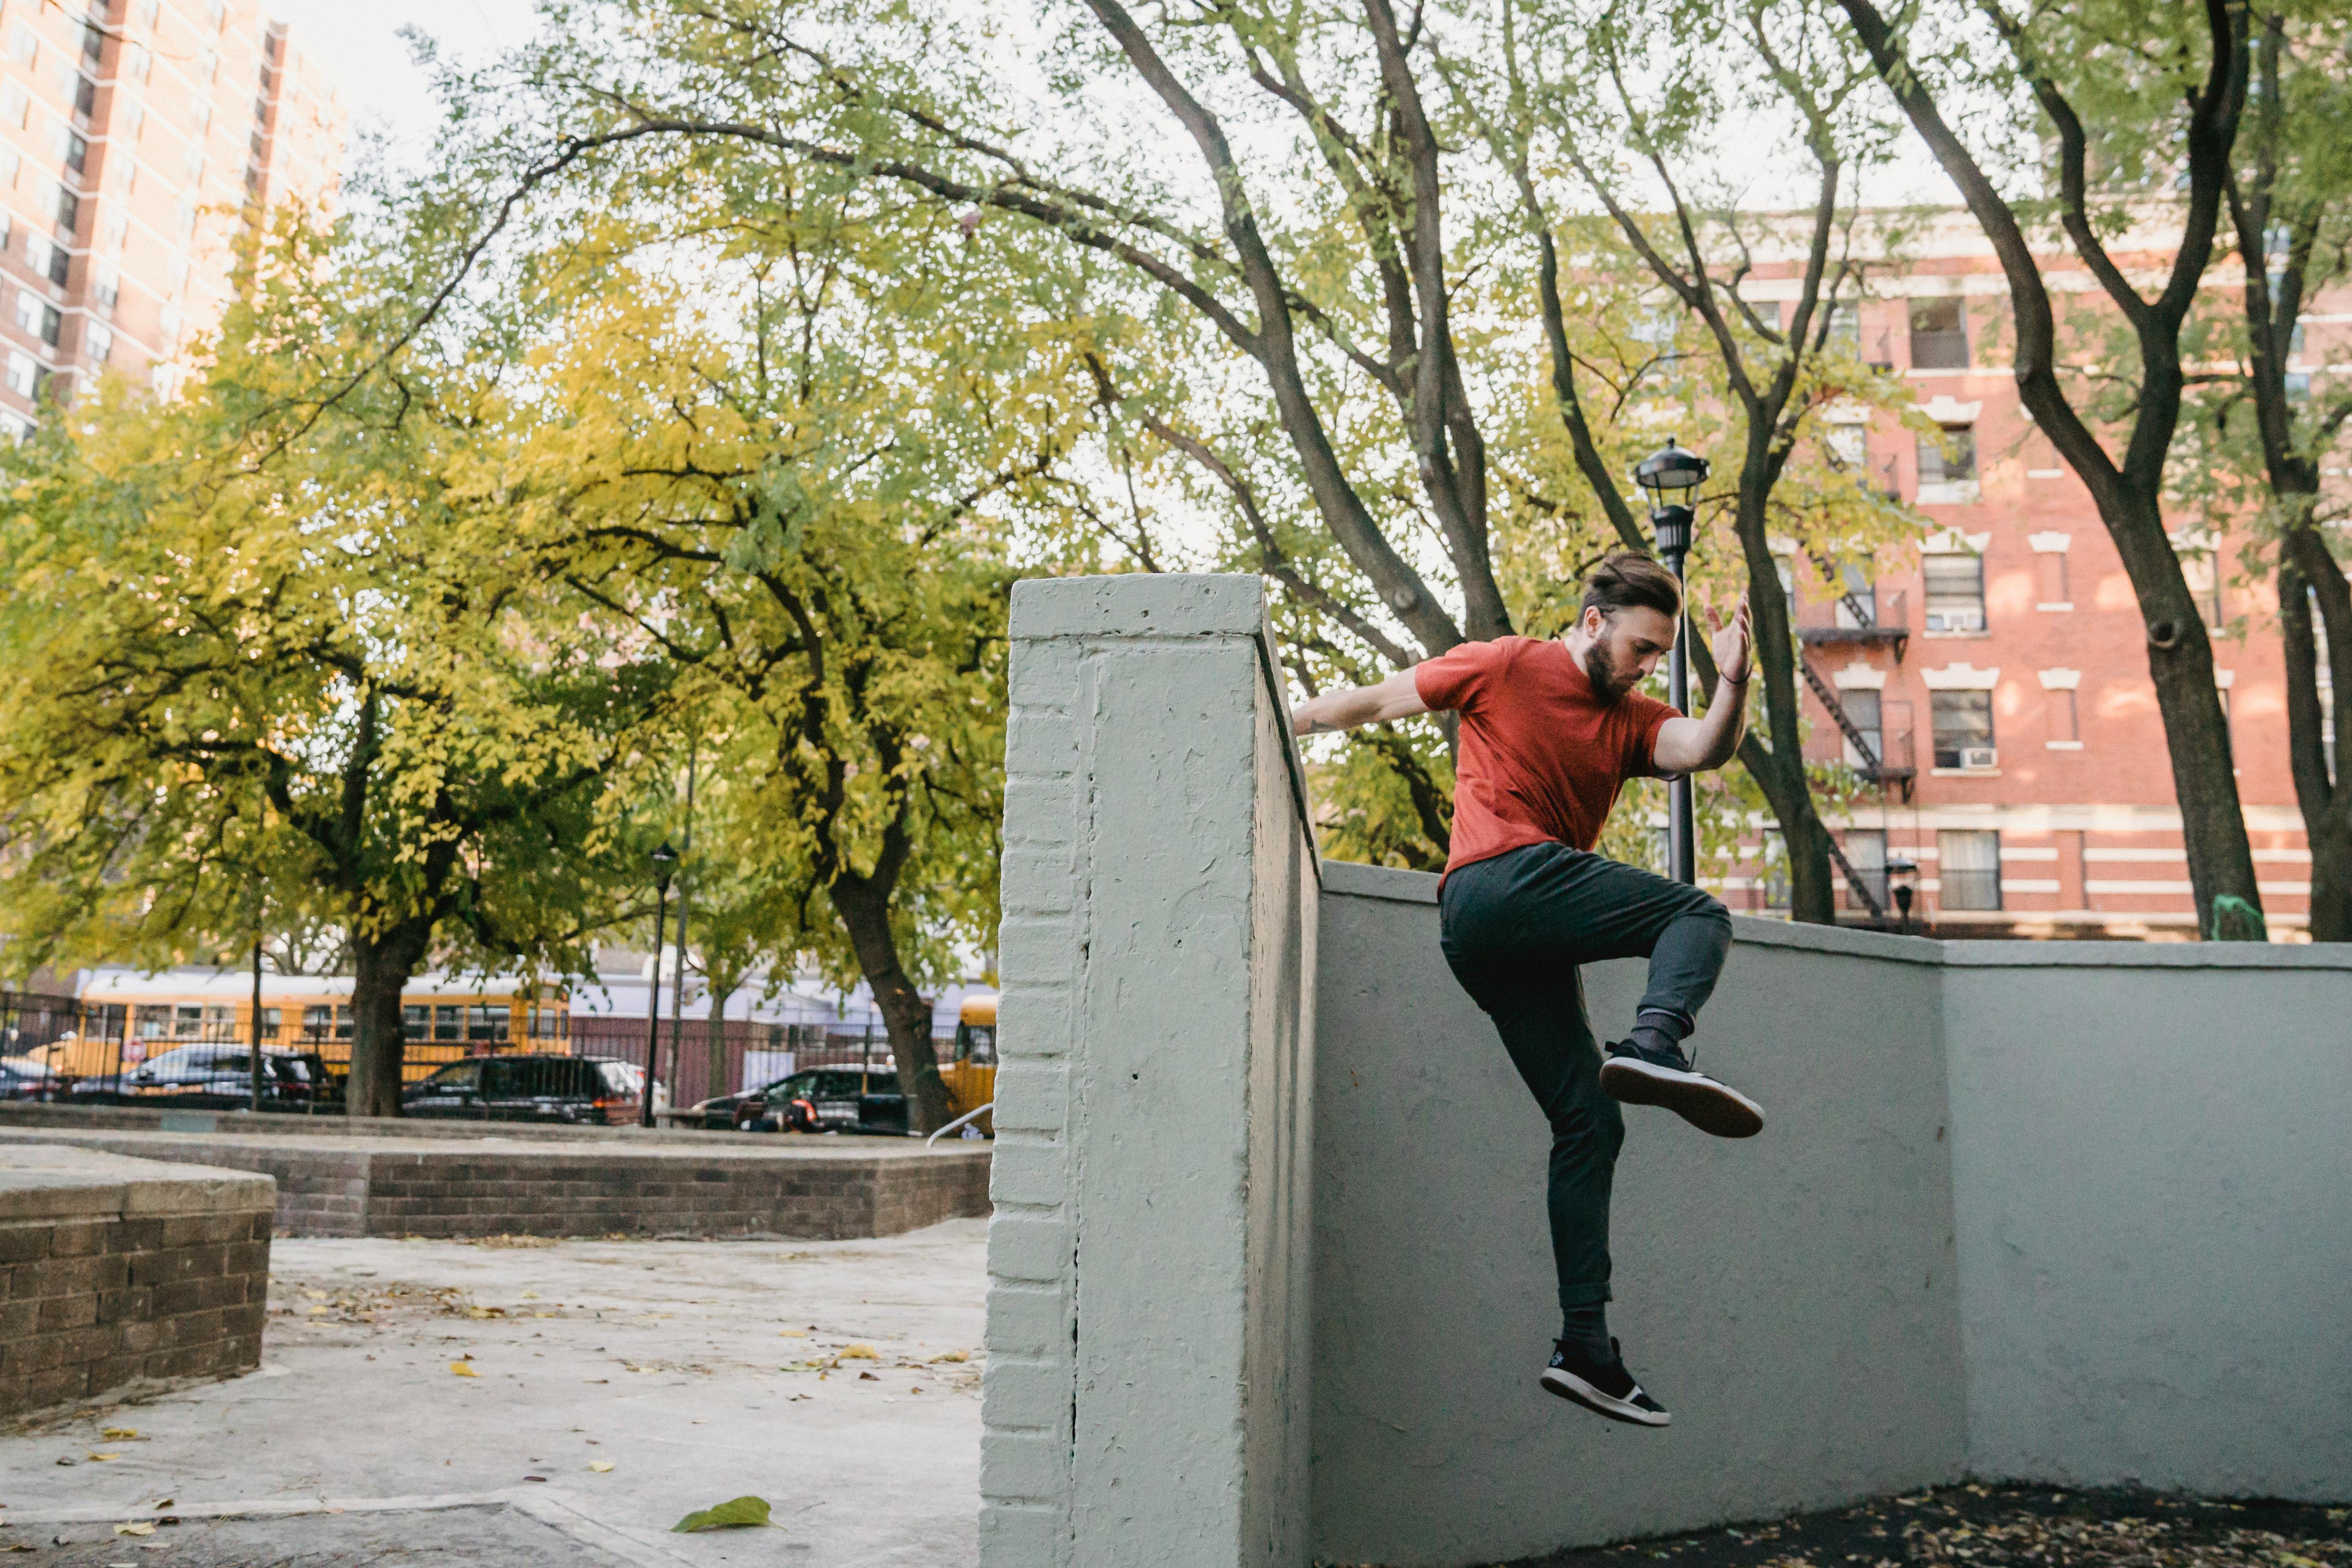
<point x="21" y="1078"/>
<point x="817" y="1099"/>
<point x="218" y="1078"/>
<point x="531" y="1088"/>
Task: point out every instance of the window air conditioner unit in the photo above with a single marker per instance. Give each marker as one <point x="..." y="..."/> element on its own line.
<point x="1979" y="757"/>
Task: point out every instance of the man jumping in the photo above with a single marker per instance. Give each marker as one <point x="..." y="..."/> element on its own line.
<point x="1550" y="732"/>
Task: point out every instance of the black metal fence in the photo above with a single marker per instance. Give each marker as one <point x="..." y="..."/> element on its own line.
<point x="749" y="1055"/>
<point x="56" y="1042"/>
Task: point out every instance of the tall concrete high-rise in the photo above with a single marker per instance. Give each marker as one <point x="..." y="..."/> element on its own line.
<point x="138" y="139"/>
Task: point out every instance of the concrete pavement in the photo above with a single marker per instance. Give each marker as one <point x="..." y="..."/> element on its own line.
<point x="696" y="1371"/>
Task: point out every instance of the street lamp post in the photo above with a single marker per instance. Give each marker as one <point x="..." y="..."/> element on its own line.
<point x="1672" y="477"/>
<point x="665" y="862"/>
<point x="1902" y="876"/>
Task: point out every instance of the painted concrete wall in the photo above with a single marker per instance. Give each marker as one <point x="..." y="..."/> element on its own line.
<point x="1145" y="1399"/>
<point x="1269" y="1271"/>
<point x="2155" y="1159"/>
<point x="1791" y="1297"/>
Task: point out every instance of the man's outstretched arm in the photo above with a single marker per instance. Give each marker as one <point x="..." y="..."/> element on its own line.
<point x="1396" y="697"/>
<point x="1697" y="744"/>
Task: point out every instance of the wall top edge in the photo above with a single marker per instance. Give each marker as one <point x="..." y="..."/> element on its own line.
<point x="1348" y="879"/>
<point x="1138" y="604"/>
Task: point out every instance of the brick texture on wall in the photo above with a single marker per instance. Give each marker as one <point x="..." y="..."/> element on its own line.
<point x="118" y="1276"/>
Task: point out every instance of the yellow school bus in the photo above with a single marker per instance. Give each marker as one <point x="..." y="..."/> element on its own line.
<point x="970" y="1078"/>
<point x="301" y="1012"/>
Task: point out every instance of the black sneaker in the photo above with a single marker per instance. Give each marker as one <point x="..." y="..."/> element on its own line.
<point x="1637" y="1077"/>
<point x="1603" y="1388"/>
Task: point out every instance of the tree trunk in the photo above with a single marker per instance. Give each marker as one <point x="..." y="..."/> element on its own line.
<point x="381" y="966"/>
<point x="2309" y="573"/>
<point x="863" y="905"/>
<point x="719" y="1033"/>
<point x="2196" y="732"/>
<point x="1811" y="898"/>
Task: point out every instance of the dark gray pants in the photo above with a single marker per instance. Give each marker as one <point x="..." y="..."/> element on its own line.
<point x="1516" y="928"/>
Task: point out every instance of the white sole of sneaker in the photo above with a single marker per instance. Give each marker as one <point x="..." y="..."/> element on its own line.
<point x="1709" y="1106"/>
<point x="1570" y="1387"/>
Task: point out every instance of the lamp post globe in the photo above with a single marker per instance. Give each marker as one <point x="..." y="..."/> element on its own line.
<point x="665" y="862"/>
<point x="1671" y="476"/>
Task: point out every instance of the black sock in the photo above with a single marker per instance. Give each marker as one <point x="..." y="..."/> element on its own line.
<point x="1657" y="1032"/>
<point x="1587" y="1328"/>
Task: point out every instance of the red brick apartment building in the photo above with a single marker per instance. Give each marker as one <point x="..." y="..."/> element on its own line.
<point x="137" y="138"/>
<point x="1999" y="674"/>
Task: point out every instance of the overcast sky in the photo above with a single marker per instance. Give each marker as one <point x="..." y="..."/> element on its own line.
<point x="359" y="46"/>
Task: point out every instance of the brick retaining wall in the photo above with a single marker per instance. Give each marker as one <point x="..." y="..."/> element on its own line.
<point x="118" y="1276"/>
<point x="810" y="1189"/>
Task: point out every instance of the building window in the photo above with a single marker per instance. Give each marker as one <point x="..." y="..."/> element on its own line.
<point x="1862" y="712"/>
<point x="1956" y="600"/>
<point x="1865" y="853"/>
<point x="1939" y="335"/>
<point x="1968" y="869"/>
<point x="1948" y="459"/>
<point x="1846" y="325"/>
<point x="24" y="375"/>
<point x="1963" y="726"/>
<point x="1848" y="444"/>
<point x="97" y="343"/>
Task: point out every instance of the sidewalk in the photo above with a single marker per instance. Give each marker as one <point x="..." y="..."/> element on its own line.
<point x="356" y="1442"/>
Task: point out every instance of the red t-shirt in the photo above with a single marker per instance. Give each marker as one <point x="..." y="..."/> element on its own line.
<point x="1539" y="757"/>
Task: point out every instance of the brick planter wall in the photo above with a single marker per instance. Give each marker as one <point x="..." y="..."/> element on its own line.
<point x="673" y="1184"/>
<point x="125" y="1275"/>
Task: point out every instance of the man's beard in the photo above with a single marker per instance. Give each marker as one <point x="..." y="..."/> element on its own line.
<point x="1607" y="681"/>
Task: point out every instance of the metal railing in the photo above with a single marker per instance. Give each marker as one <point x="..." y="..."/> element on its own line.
<point x="1856" y="615"/>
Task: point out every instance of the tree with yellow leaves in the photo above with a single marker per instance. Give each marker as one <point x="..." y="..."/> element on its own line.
<point x="269" y="648"/>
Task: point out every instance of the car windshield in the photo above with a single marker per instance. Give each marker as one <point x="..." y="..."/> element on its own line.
<point x="457" y="1077"/>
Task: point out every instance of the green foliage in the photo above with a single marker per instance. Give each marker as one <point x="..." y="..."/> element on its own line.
<point x="270" y="661"/>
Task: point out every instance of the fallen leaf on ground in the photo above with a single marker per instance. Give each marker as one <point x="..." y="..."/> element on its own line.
<point x="793" y="1334"/>
<point x="600" y="1466"/>
<point x="858" y="1352"/>
<point x="463" y="1369"/>
<point x="144" y="1526"/>
<point x="954" y="1355"/>
<point x="119" y="1434"/>
<point x="867" y="1377"/>
<point x="105" y="1456"/>
<point x="734" y="1513"/>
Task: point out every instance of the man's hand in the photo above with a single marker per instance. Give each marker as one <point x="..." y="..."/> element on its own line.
<point x="1732" y="644"/>
<point x="1694" y="745"/>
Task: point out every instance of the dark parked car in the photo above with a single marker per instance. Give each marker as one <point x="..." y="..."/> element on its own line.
<point x="21" y="1078"/>
<point x="219" y="1078"/>
<point x="529" y="1088"/>
<point x="817" y="1099"/>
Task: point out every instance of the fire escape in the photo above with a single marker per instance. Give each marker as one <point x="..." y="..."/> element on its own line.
<point x="1861" y="617"/>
